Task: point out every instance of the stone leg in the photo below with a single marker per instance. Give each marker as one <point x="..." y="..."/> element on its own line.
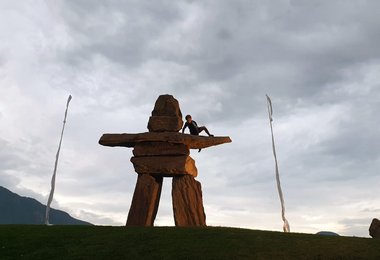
<point x="145" y="201"/>
<point x="187" y="202"/>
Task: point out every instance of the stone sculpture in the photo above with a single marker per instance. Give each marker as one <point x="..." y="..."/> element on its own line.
<point x="163" y="152"/>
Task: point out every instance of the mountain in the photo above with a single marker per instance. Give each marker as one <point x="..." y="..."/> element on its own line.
<point x="15" y="209"/>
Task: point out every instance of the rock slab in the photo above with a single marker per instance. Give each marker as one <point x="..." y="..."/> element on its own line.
<point x="191" y="141"/>
<point x="160" y="149"/>
<point x="166" y="166"/>
<point x="187" y="202"/>
<point x="374" y="229"/>
<point x="145" y="201"/>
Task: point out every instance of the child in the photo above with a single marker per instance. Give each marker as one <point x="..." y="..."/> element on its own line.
<point x="194" y="128"/>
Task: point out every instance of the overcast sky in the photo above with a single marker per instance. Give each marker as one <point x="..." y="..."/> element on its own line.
<point x="318" y="60"/>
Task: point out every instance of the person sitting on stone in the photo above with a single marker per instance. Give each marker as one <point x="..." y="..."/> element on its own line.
<point x="194" y="128"/>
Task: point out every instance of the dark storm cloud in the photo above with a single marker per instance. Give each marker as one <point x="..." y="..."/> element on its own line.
<point x="118" y="30"/>
<point x="291" y="49"/>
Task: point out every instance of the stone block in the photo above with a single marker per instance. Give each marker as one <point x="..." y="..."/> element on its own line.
<point x="159" y="149"/>
<point x="166" y="105"/>
<point x="167" y="166"/>
<point x="187" y="202"/>
<point x="145" y="201"/>
<point x="164" y="124"/>
<point x="374" y="229"/>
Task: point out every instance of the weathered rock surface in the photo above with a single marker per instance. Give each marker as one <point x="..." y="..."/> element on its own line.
<point x="167" y="166"/>
<point x="374" y="229"/>
<point x="192" y="141"/>
<point x="159" y="149"/>
<point x="164" y="124"/>
<point x="145" y="201"/>
<point x="166" y="105"/>
<point x="187" y="202"/>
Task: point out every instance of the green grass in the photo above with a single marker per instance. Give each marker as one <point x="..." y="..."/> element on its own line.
<point x="98" y="242"/>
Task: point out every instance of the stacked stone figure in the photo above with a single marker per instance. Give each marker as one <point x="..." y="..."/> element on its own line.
<point x="163" y="152"/>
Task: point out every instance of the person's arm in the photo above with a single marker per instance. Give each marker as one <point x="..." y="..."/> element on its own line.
<point x="184" y="127"/>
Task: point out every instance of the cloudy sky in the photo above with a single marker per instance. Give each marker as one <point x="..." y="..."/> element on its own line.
<point x="318" y="60"/>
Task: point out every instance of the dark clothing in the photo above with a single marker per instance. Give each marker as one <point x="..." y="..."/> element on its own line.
<point x="193" y="127"/>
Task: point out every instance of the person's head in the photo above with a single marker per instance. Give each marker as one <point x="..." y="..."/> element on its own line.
<point x="188" y="118"/>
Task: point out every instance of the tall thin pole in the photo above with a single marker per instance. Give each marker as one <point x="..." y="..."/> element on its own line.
<point x="55" y="166"/>
<point x="286" y="227"/>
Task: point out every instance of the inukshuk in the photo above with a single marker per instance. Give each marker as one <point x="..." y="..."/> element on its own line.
<point x="164" y="152"/>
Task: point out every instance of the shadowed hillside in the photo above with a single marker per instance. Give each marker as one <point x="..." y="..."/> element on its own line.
<point x="15" y="209"/>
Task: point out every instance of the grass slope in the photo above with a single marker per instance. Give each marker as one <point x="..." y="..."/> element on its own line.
<point x="98" y="242"/>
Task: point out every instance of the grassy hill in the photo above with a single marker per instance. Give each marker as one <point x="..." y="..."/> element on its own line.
<point x="97" y="242"/>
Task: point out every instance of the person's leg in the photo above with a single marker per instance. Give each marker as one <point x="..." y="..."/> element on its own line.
<point x="203" y="128"/>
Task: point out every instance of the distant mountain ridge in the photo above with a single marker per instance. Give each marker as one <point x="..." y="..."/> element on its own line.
<point x="15" y="209"/>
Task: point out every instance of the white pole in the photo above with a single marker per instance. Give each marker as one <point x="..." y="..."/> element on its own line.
<point x="55" y="167"/>
<point x="286" y="227"/>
